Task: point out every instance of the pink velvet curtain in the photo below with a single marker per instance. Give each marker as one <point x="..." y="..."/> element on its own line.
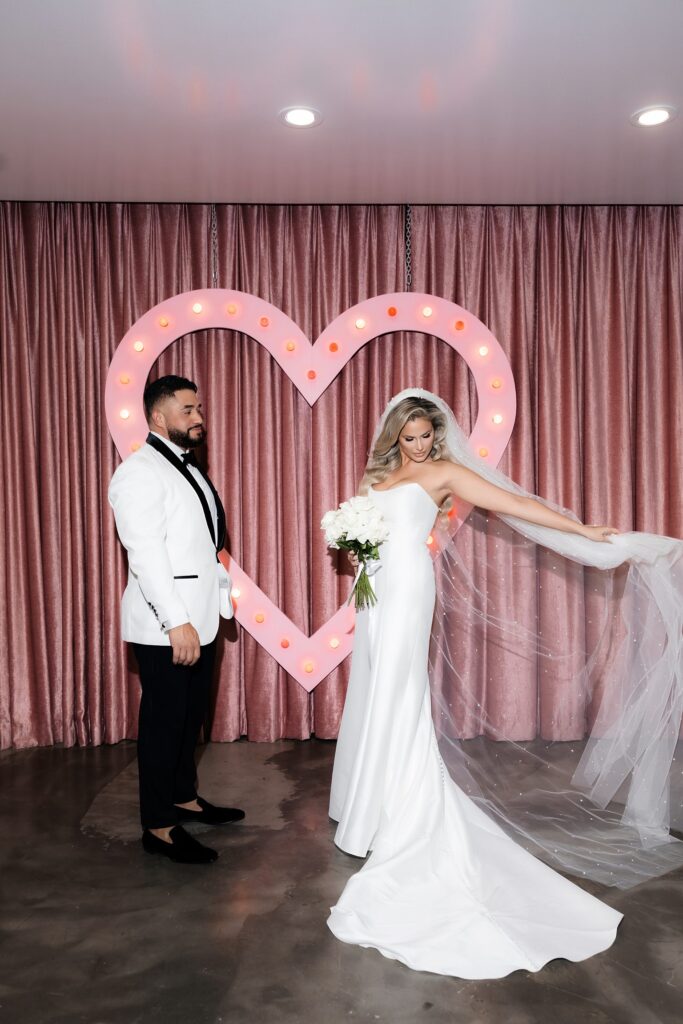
<point x="586" y="301"/>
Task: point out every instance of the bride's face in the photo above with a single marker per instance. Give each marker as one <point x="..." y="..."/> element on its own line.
<point x="416" y="440"/>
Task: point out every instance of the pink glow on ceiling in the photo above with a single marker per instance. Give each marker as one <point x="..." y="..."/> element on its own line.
<point x="479" y="101"/>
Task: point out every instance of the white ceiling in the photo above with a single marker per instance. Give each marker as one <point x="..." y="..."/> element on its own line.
<point x="425" y="101"/>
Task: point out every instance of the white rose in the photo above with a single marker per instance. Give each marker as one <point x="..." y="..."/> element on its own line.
<point x="362" y="504"/>
<point x="329" y="521"/>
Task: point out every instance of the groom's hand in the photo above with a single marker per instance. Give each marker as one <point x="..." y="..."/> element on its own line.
<point x="185" y="644"/>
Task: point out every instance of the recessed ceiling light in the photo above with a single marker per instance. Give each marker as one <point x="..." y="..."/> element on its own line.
<point x="648" y="117"/>
<point x="300" y="117"/>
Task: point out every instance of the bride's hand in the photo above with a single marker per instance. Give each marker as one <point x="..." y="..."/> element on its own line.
<point x="353" y="559"/>
<point x="598" y="533"/>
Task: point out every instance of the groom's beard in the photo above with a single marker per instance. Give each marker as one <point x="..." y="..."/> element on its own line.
<point x="192" y="438"/>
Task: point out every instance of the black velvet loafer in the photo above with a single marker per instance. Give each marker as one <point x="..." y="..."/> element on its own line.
<point x="184" y="848"/>
<point x="210" y="815"/>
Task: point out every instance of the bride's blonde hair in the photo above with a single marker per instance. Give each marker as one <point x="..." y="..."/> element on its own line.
<point x="385" y="457"/>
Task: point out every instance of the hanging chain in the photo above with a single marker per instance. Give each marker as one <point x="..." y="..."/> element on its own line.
<point x="214" y="247"/>
<point x="408" y="228"/>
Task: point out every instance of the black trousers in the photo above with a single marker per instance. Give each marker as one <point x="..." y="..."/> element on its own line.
<point x="173" y="707"/>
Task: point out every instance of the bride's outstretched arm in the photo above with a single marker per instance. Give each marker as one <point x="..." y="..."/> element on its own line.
<point x="470" y="487"/>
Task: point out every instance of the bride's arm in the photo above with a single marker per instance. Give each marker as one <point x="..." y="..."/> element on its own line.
<point x="470" y="487"/>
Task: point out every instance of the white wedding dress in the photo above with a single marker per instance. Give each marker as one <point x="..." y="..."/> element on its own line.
<point x="444" y="889"/>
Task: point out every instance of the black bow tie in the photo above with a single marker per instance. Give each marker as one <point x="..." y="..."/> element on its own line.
<point x="189" y="459"/>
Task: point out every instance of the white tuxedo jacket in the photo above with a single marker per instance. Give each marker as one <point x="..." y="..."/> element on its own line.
<point x="173" y="574"/>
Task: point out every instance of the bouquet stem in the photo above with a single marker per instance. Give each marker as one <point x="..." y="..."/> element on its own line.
<point x="363" y="591"/>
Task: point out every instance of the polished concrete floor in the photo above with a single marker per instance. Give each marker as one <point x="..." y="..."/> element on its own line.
<point x="95" y="931"/>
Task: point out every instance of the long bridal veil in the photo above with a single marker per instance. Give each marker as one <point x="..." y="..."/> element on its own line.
<point x="556" y="670"/>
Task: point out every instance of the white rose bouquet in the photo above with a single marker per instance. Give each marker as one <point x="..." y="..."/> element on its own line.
<point x="358" y="526"/>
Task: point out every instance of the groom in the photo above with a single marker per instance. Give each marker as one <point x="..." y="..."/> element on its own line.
<point x="171" y="522"/>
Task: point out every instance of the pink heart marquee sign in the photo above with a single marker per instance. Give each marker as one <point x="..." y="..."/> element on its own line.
<point x="311" y="367"/>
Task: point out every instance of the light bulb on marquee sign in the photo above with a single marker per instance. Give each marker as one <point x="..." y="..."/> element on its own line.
<point x="312" y="368"/>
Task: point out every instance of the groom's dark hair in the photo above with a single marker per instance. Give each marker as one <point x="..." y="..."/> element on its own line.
<point x="165" y="387"/>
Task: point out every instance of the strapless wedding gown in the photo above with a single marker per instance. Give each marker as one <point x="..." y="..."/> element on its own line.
<point x="444" y="889"/>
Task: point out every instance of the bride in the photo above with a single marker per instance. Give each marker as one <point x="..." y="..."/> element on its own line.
<point x="444" y="889"/>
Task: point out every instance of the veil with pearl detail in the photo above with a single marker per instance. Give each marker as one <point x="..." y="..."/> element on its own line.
<point x="556" y="670"/>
